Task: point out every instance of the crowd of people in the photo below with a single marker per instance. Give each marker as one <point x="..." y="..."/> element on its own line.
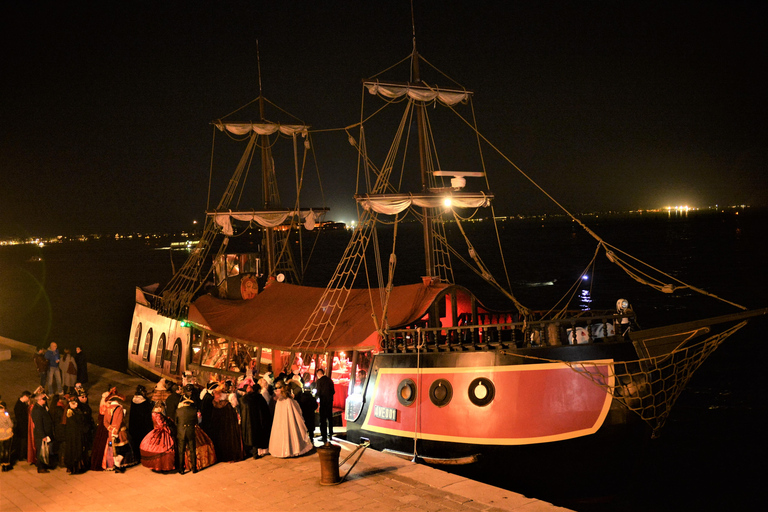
<point x="177" y="427"/>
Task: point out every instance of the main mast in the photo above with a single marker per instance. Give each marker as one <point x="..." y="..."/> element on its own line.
<point x="429" y="259"/>
<point x="267" y="177"/>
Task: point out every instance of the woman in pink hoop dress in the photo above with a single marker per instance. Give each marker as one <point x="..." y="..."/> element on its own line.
<point x="158" y="447"/>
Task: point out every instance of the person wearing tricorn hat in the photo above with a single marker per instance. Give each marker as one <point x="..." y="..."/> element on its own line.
<point x="139" y="419"/>
<point x="172" y="401"/>
<point x="43" y="429"/>
<point x="117" y="453"/>
<point x="75" y="432"/>
<point x="186" y="419"/>
<point x="21" y="425"/>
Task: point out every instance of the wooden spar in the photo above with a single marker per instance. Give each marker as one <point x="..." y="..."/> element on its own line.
<point x="658" y="332"/>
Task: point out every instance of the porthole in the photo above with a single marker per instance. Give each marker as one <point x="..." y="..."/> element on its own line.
<point x="481" y="391"/>
<point x="441" y="392"/>
<point x="406" y="392"/>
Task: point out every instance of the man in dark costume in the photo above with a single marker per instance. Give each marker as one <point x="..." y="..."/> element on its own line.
<point x="173" y="400"/>
<point x="75" y="432"/>
<point x="206" y="406"/>
<point x="256" y="423"/>
<point x="186" y="419"/>
<point x="82" y="366"/>
<point x="21" y="424"/>
<point x="308" y="406"/>
<point x="139" y="419"/>
<point x="325" y="392"/>
<point x="43" y="429"/>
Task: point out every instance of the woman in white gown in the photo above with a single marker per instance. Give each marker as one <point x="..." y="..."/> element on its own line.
<point x="289" y="435"/>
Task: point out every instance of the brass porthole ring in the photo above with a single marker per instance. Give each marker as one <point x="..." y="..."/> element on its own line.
<point x="481" y="391"/>
<point x="441" y="392"/>
<point x="406" y="392"/>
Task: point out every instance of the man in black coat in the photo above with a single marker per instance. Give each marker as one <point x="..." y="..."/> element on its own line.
<point x="325" y="392"/>
<point x="186" y="419"/>
<point x="21" y="425"/>
<point x="43" y="430"/>
<point x="173" y="400"/>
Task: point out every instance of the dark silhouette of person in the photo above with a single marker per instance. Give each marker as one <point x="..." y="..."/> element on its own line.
<point x="325" y="392"/>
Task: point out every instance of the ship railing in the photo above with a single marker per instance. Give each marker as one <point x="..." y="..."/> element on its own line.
<point x="492" y="332"/>
<point x="155" y="301"/>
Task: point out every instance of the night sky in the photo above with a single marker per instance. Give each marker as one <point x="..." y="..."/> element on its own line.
<point x="609" y="105"/>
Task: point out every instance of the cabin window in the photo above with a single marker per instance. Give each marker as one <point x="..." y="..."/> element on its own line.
<point x="176" y="356"/>
<point x="147" y="345"/>
<point x="304" y="364"/>
<point x="233" y="265"/>
<point x="215" y="351"/>
<point x="242" y="355"/>
<point x="197" y="347"/>
<point x="265" y="361"/>
<point x="136" y="339"/>
<point x="250" y="263"/>
<point x="159" y="351"/>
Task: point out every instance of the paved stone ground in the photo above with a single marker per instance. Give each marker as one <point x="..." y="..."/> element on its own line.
<point x="377" y="482"/>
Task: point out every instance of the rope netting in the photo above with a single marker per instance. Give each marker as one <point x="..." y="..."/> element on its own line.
<point x="650" y="386"/>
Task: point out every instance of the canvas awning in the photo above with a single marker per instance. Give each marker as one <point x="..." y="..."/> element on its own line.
<point x="275" y="317"/>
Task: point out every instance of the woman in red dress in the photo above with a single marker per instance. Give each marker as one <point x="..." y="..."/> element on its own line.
<point x="158" y="450"/>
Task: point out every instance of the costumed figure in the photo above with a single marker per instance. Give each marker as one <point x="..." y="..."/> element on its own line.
<point x="158" y="448"/>
<point x="42" y="431"/>
<point x="140" y="421"/>
<point x="31" y="449"/>
<point x="101" y="436"/>
<point x="161" y="393"/>
<point x="56" y="406"/>
<point x="6" y="438"/>
<point x="75" y="434"/>
<point x="255" y="423"/>
<point x="289" y="436"/>
<point x="90" y="425"/>
<point x="21" y="425"/>
<point x="308" y="406"/>
<point x="68" y="371"/>
<point x="186" y="420"/>
<point x="82" y="366"/>
<point x="225" y="429"/>
<point x="206" y="406"/>
<point x="325" y="392"/>
<point x="117" y="453"/>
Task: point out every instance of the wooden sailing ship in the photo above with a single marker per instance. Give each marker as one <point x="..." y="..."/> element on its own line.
<point x="422" y="369"/>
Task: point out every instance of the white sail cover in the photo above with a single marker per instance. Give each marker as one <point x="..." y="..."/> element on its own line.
<point x="391" y="204"/>
<point x="419" y="93"/>
<point x="264" y="219"/>
<point x="262" y="128"/>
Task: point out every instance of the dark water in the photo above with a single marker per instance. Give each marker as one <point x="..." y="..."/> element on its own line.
<point x="81" y="293"/>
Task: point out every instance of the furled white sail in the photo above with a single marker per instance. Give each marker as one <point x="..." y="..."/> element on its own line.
<point x="418" y="93"/>
<point x="270" y="219"/>
<point x="391" y="204"/>
<point x="262" y="128"/>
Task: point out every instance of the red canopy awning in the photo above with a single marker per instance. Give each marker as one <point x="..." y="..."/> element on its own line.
<point x="276" y="316"/>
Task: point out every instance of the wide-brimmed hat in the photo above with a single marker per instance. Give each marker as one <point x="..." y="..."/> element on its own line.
<point x="161" y="385"/>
